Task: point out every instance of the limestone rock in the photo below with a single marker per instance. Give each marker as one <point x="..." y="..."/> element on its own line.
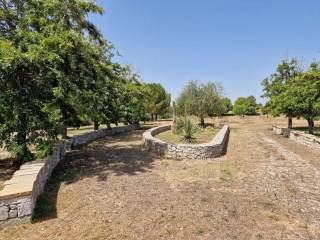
<point x="24" y="209"/>
<point x="4" y="213"/>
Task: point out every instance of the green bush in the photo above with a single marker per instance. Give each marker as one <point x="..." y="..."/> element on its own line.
<point x="189" y="130"/>
<point x="44" y="148"/>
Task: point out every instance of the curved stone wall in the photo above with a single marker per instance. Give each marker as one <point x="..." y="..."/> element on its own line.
<point x="215" y="148"/>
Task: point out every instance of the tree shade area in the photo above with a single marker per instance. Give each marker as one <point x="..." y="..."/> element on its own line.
<point x="294" y="92"/>
<point x="57" y="71"/>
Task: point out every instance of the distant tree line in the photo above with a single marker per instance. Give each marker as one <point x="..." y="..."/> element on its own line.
<point x="57" y="71"/>
<point x="246" y="106"/>
<point x="294" y="92"/>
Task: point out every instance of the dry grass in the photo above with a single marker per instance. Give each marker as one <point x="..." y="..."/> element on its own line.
<point x="265" y="187"/>
<point x="204" y="172"/>
<point x="78" y="131"/>
<point x="85" y="129"/>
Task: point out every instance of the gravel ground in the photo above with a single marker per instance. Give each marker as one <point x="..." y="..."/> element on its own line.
<point x="265" y="187"/>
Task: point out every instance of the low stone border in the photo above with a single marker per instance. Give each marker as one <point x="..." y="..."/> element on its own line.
<point x="20" y="193"/>
<point x="215" y="148"/>
<point x="309" y="140"/>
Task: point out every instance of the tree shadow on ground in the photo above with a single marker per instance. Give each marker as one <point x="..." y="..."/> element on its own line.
<point x="7" y="168"/>
<point x="306" y="130"/>
<point x="122" y="154"/>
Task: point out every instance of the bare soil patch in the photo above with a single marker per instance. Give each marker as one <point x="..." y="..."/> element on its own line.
<point x="265" y="187"/>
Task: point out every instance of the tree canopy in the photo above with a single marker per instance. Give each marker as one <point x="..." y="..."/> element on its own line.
<point x="245" y="106"/>
<point x="275" y="86"/>
<point x="158" y="100"/>
<point x="294" y="92"/>
<point x="201" y="100"/>
<point x="57" y="71"/>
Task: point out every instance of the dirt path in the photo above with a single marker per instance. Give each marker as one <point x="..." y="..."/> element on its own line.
<point x="265" y="187"/>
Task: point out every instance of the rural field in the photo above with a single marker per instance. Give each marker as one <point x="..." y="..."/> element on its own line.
<point x="169" y="120"/>
<point x="265" y="187"/>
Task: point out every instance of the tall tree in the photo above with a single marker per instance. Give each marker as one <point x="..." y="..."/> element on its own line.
<point x="132" y="97"/>
<point x="245" y="105"/>
<point x="227" y="103"/>
<point x="47" y="52"/>
<point x="158" y="100"/>
<point x="200" y="99"/>
<point x="304" y="95"/>
<point x="276" y="84"/>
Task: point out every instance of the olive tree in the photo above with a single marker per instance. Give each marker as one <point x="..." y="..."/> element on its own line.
<point x="200" y="99"/>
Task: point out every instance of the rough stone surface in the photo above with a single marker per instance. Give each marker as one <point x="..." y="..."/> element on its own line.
<point x="13" y="207"/>
<point x="20" y="193"/>
<point x="309" y="140"/>
<point x="215" y="148"/>
<point x="13" y="213"/>
<point x="24" y="209"/>
<point x="4" y="213"/>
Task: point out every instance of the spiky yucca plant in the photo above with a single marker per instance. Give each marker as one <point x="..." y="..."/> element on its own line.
<point x="189" y="130"/>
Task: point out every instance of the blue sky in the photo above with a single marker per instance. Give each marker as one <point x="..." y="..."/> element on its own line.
<point x="234" y="42"/>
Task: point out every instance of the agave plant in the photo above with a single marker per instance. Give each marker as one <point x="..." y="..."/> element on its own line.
<point x="189" y="130"/>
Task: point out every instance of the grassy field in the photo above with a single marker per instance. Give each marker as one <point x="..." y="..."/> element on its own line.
<point x="202" y="136"/>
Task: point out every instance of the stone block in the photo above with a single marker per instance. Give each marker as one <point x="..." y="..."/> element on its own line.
<point x="13" y="213"/>
<point x="14" y="206"/>
<point x="4" y="213"/>
<point x="24" y="209"/>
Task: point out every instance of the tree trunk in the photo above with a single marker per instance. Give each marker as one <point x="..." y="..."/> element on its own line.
<point x="310" y="125"/>
<point x="108" y="125"/>
<point x="289" y="122"/>
<point x="65" y="133"/>
<point x="156" y="117"/>
<point x="202" y="120"/>
<point x="152" y="117"/>
<point x="24" y="154"/>
<point x="96" y="125"/>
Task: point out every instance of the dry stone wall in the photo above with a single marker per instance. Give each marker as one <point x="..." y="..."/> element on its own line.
<point x="309" y="140"/>
<point x="19" y="195"/>
<point x="215" y="148"/>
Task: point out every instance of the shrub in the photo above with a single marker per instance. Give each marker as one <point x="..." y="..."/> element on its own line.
<point x="44" y="148"/>
<point x="178" y="125"/>
<point x="189" y="130"/>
